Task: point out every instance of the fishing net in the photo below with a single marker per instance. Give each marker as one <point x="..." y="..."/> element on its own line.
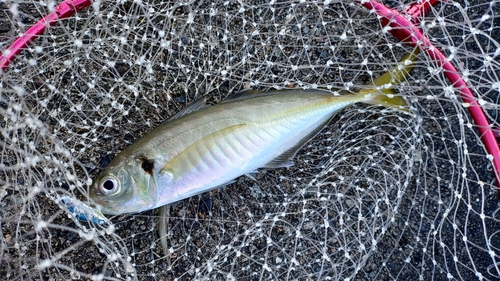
<point x="378" y="195"/>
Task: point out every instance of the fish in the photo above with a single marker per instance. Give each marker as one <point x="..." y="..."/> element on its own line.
<point x="205" y="147"/>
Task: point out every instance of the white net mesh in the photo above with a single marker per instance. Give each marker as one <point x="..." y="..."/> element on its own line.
<point x="378" y="195"/>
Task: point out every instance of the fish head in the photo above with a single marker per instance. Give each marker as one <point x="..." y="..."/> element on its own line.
<point x="125" y="187"/>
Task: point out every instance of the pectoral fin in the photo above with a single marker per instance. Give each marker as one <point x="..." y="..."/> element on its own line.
<point x="164" y="177"/>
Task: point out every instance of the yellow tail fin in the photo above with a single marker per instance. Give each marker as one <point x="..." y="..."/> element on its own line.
<point x="383" y="94"/>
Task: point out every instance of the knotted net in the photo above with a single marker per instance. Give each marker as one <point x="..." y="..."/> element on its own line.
<point x="378" y="195"/>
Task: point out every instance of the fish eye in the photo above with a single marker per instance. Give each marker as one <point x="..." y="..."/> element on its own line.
<point x="110" y="185"/>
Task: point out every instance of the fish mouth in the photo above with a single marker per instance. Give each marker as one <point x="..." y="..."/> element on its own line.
<point x="99" y="199"/>
<point x="103" y="206"/>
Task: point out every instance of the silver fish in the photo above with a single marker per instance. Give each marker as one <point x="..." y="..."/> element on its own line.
<point x="204" y="147"/>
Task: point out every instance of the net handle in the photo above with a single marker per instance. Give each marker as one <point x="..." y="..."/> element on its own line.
<point x="402" y="28"/>
<point x="406" y="31"/>
<point x="63" y="10"/>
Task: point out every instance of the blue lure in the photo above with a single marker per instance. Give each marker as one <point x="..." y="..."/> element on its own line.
<point x="83" y="212"/>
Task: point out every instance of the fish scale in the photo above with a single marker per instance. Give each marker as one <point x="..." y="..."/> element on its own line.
<point x="225" y="149"/>
<point x="244" y="142"/>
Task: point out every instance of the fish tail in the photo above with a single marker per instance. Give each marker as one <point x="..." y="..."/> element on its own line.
<point x="382" y="93"/>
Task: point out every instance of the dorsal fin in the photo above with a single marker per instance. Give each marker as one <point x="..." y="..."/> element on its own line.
<point x="194" y="106"/>
<point x="241" y="95"/>
<point x="251" y="93"/>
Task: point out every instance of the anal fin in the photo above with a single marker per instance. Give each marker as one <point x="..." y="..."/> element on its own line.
<point x="285" y="159"/>
<point x="250" y="175"/>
